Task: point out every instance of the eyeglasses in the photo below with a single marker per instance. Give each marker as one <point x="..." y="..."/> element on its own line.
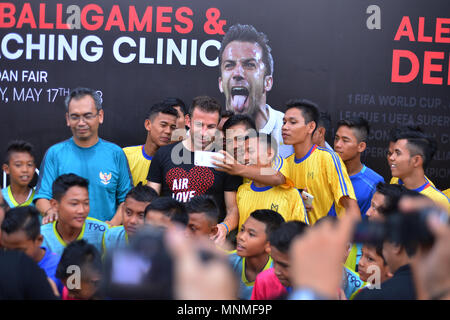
<point x="86" y="117"/>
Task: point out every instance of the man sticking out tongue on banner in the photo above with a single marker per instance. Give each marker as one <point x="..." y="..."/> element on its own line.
<point x="246" y="69"/>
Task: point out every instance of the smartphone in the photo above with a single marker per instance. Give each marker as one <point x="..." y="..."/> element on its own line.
<point x="309" y="198"/>
<point x="205" y="158"/>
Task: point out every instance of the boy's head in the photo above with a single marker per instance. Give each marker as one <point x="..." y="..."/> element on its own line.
<point x="235" y="130"/>
<point x="21" y="230"/>
<point x="71" y="199"/>
<point x="160" y="123"/>
<point x="300" y="121"/>
<point x="19" y="163"/>
<point x="253" y="238"/>
<point x="83" y="260"/>
<point x="371" y="261"/>
<point x="260" y="149"/>
<point x="384" y="200"/>
<point x="323" y="130"/>
<point x="393" y="137"/>
<point x="351" y="138"/>
<point x="135" y="203"/>
<point x="181" y="109"/>
<point x="413" y="151"/>
<point x="203" y="216"/>
<point x="280" y="241"/>
<point x="165" y="211"/>
<point x="226" y="114"/>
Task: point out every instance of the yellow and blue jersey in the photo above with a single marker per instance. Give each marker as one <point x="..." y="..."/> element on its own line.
<point x="113" y="238"/>
<point x="238" y="265"/>
<point x="395" y="180"/>
<point x="287" y="201"/>
<point x="324" y="175"/>
<point x="92" y="232"/>
<point x="139" y="163"/>
<point x="427" y="189"/>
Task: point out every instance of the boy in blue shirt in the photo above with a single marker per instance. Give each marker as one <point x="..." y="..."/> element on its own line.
<point x="252" y="254"/>
<point x="20" y="166"/>
<point x="71" y="203"/>
<point x="350" y="142"/>
<point x="21" y="231"/>
<point x="135" y="203"/>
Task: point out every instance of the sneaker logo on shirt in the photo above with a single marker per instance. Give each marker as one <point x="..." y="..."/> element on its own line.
<point x="105" y="178"/>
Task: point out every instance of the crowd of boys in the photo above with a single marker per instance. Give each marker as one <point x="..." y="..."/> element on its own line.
<point x="272" y="180"/>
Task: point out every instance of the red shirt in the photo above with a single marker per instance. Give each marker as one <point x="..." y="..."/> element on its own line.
<point x="267" y="286"/>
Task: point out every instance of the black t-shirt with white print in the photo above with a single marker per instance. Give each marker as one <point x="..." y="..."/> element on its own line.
<point x="173" y="167"/>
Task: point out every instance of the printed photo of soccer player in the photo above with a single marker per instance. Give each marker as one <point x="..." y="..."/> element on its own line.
<point x="246" y="76"/>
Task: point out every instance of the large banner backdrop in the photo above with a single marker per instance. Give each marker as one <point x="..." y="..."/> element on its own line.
<point x="387" y="61"/>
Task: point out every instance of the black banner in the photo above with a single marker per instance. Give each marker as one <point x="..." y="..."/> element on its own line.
<point x="387" y="61"/>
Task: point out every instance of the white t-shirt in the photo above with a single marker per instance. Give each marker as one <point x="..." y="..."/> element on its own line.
<point x="273" y="127"/>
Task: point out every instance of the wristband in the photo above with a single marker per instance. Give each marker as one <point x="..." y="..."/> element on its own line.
<point x="228" y="231"/>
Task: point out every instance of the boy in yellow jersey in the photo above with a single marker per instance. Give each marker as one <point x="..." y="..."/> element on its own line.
<point x="252" y="254"/>
<point x="392" y="139"/>
<point x="413" y="151"/>
<point x="318" y="170"/>
<point x="284" y="199"/>
<point x="160" y="123"/>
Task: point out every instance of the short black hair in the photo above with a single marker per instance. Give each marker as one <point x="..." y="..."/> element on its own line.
<point x="392" y="194"/>
<point x="359" y="126"/>
<point x="309" y="110"/>
<point x="176" y="102"/>
<point x="204" y="204"/>
<point x="236" y="119"/>
<point x="227" y="113"/>
<point x="394" y="132"/>
<point x="282" y="237"/>
<point x="248" y="33"/>
<point x="206" y="104"/>
<point x="142" y="193"/>
<point x="80" y="92"/>
<point x="22" y="218"/>
<point x="270" y="218"/>
<point x="65" y="182"/>
<point x="170" y="207"/>
<point x="161" y="107"/>
<point x="378" y="249"/>
<point x="324" y="120"/>
<point x="79" y="253"/>
<point x="419" y="144"/>
<point x="18" y="146"/>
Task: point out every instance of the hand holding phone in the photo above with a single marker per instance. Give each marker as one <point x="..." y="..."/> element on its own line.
<point x="307" y="198"/>
<point x="205" y="158"/>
